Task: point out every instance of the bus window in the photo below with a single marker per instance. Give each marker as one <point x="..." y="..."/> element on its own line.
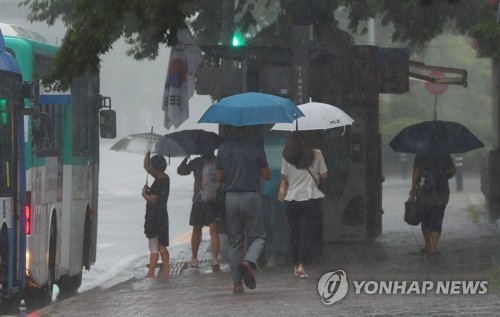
<point x="47" y="130"/>
<point x="85" y="102"/>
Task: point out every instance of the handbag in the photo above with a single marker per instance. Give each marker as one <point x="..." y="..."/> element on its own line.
<point x="412" y="212"/>
<point x="282" y="190"/>
<point x="220" y="203"/>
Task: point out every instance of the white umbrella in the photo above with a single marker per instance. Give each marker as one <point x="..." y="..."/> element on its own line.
<point x="318" y="116"/>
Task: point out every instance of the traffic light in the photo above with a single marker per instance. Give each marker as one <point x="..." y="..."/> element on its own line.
<point x="238" y="39"/>
<point x="3" y="111"/>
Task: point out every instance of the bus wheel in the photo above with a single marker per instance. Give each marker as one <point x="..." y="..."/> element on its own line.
<point x="68" y="286"/>
<point x="86" y="242"/>
<point x="9" y="305"/>
<point x="39" y="297"/>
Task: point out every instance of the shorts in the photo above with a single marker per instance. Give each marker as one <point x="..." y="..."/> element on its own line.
<point x="432" y="217"/>
<point x="202" y="214"/>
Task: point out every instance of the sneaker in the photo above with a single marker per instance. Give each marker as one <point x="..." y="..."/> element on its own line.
<point x="301" y="273"/>
<point x="238" y="289"/>
<point x="246" y="270"/>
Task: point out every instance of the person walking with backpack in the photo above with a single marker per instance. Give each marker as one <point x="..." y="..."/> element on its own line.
<point x="203" y="211"/>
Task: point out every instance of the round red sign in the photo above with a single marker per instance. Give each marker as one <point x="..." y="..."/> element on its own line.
<point x="436" y="88"/>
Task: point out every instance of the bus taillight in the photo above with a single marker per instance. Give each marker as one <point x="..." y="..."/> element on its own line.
<point x="27" y="214"/>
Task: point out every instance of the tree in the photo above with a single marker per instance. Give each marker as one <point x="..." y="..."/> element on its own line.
<point x="418" y="22"/>
<point x="94" y="25"/>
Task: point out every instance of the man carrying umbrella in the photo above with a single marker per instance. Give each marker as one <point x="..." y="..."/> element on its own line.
<point x="240" y="164"/>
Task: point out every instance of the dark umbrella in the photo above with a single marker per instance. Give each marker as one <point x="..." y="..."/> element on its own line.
<point x="192" y="142"/>
<point x="435" y="138"/>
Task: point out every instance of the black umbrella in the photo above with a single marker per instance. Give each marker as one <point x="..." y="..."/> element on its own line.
<point x="193" y="142"/>
<point x="435" y="138"/>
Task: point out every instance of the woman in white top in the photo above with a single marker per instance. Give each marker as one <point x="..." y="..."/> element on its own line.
<point x="303" y="167"/>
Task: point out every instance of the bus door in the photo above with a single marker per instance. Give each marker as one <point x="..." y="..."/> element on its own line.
<point x="12" y="185"/>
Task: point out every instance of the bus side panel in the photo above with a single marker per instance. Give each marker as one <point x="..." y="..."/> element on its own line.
<point x="82" y="194"/>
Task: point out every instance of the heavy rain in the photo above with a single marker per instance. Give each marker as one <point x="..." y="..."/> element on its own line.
<point x="411" y="96"/>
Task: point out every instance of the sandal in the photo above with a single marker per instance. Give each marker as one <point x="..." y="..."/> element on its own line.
<point x="434" y="252"/>
<point x="302" y="273"/>
<point x="194" y="264"/>
<point x="215" y="266"/>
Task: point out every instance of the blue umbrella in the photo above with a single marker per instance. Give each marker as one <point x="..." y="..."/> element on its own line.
<point x="251" y="108"/>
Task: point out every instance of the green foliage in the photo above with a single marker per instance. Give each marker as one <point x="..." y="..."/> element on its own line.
<point x="94" y="25"/>
<point x="487" y="35"/>
<point x="418" y="22"/>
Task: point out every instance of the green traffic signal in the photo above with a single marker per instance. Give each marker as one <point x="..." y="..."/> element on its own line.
<point x="4" y="118"/>
<point x="238" y="39"/>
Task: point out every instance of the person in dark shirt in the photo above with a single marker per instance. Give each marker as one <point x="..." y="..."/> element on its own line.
<point x="430" y="186"/>
<point x="240" y="164"/>
<point x="203" y="213"/>
<point x="156" y="219"/>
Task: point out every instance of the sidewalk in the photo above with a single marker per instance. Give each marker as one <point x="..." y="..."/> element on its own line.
<point x="469" y="247"/>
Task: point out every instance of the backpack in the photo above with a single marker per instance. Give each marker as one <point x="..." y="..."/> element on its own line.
<point x="209" y="182"/>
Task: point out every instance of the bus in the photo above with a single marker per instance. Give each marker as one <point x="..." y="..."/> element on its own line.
<point x="60" y="131"/>
<point x="12" y="188"/>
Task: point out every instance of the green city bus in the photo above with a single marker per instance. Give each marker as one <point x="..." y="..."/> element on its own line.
<point x="61" y="134"/>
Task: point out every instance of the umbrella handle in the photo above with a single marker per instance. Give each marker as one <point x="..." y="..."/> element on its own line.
<point x="150" y="139"/>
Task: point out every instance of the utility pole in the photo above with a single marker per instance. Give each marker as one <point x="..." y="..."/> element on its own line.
<point x="226" y="34"/>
